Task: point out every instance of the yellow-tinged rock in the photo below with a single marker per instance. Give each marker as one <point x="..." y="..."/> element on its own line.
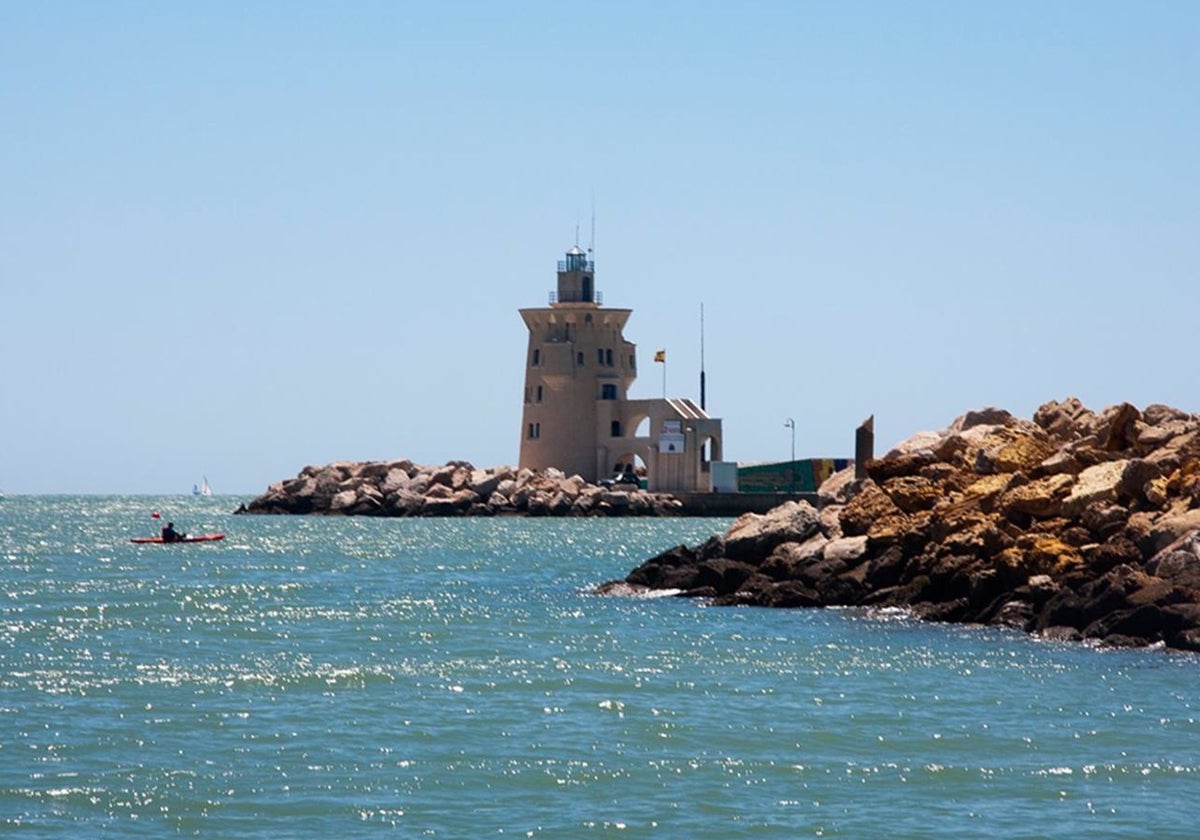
<point x="1019" y="451"/>
<point x="869" y="506"/>
<point x="1012" y="560"/>
<point x="987" y="488"/>
<point x="1041" y="498"/>
<point x="969" y="533"/>
<point x="1158" y="491"/>
<point x="1049" y="555"/>
<point x="1038" y="554"/>
<point x="912" y="493"/>
<point x="888" y="529"/>
<point x="1189" y="480"/>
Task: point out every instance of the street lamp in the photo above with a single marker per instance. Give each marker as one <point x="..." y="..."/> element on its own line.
<point x="791" y="424"/>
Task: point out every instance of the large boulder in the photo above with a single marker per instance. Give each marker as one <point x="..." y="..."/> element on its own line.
<point x="1042" y="497"/>
<point x="1179" y="562"/>
<point x="1172" y="528"/>
<point x="393" y="480"/>
<point x="1100" y="483"/>
<point x="485" y="482"/>
<point x="1065" y="421"/>
<point x="755" y="536"/>
<point x="870" y="506"/>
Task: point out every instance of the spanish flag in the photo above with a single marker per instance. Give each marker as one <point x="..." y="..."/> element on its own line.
<point x="661" y="356"/>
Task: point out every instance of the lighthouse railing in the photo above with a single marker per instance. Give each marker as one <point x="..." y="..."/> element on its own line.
<point x="577" y="297"/>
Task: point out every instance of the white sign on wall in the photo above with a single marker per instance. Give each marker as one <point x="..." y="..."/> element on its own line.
<point x="671" y="438"/>
<point x="670" y="443"/>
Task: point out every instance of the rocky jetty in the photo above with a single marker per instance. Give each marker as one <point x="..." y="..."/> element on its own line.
<point x="401" y="488"/>
<point x="1076" y="525"/>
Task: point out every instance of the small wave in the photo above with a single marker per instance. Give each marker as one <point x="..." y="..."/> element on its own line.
<point x="890" y="614"/>
<point x="621" y="589"/>
<point x="1054" y="771"/>
<point x="659" y="593"/>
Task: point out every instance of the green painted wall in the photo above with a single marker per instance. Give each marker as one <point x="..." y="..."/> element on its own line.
<point x="801" y="476"/>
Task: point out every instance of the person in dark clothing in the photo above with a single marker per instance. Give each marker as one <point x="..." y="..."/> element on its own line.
<point x="169" y="534"/>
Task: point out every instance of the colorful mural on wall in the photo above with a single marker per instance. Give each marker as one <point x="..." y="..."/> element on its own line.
<point x="800" y="476"/>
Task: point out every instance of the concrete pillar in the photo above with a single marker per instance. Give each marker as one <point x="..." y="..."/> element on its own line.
<point x="864" y="446"/>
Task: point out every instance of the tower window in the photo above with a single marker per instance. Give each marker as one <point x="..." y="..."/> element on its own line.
<point x="599" y="357"/>
<point x="535" y="431"/>
<point x="608" y="391"/>
<point x="580" y="358"/>
<point x="537" y="357"/>
<point x="616" y="428"/>
<point x="539" y="393"/>
<point x="608" y="357"/>
<point x="587" y="319"/>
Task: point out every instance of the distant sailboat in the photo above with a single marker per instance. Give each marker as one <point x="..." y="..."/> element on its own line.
<point x="202" y="489"/>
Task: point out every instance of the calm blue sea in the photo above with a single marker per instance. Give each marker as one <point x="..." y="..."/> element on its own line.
<point x="322" y="677"/>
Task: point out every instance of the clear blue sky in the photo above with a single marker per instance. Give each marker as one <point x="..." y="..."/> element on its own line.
<point x="238" y="238"/>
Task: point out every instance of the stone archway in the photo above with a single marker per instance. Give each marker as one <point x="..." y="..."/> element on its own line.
<point x="629" y="461"/>
<point x="639" y="425"/>
<point x="710" y="449"/>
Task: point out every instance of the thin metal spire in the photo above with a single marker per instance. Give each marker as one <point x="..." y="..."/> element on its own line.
<point x="702" y="406"/>
<point x="592" y="244"/>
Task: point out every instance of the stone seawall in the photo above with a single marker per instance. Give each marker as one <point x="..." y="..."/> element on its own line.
<point x="402" y="488"/>
<point x="1074" y="525"/>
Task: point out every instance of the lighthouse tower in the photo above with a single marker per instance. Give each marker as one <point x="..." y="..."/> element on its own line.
<point x="578" y="416"/>
<point x="578" y="368"/>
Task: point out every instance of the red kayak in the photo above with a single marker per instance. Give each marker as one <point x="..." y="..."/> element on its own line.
<point x="196" y="538"/>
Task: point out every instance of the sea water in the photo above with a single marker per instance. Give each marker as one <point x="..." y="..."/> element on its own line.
<point x="457" y="678"/>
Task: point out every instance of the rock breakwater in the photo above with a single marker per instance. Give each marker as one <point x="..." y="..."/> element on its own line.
<point x="402" y="488"/>
<point x="1074" y="525"/>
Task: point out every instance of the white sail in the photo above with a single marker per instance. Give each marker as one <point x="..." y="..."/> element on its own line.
<point x="205" y="490"/>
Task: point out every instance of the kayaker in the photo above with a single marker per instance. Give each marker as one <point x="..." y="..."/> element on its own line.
<point x="169" y="534"/>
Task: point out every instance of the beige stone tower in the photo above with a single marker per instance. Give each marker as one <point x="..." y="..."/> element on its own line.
<point x="578" y="417"/>
<point x="577" y="358"/>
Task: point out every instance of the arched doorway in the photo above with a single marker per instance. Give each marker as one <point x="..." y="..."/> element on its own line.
<point x="710" y="449"/>
<point x="628" y="464"/>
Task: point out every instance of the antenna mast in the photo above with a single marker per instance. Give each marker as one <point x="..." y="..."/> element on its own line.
<point x="592" y="244"/>
<point x="702" y="355"/>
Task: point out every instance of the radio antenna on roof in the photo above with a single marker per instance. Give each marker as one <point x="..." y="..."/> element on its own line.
<point x="702" y="406"/>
